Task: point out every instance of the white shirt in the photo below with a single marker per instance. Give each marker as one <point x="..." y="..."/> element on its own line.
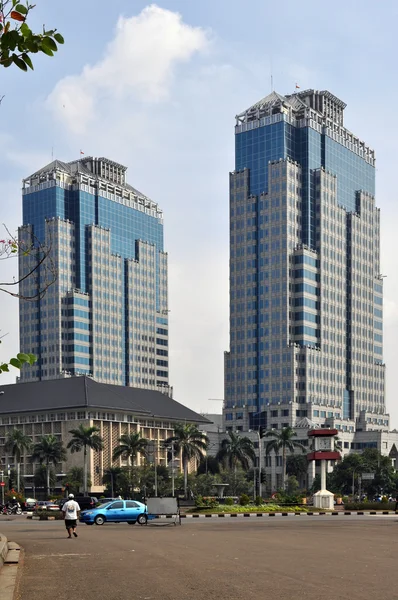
<point x="70" y="509"/>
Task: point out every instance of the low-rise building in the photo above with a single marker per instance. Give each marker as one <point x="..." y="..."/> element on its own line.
<point x="59" y="405"/>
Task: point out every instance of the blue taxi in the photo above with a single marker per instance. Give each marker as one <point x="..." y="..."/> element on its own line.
<point x="118" y="511"/>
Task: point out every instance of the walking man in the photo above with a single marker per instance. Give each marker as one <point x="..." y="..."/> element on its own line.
<point x="71" y="511"/>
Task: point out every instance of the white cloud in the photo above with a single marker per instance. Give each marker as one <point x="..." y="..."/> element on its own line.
<point x="139" y="62"/>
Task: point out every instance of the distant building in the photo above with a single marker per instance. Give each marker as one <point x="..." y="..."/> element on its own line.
<point x="215" y="432"/>
<point x="107" y="313"/>
<point x="57" y="406"/>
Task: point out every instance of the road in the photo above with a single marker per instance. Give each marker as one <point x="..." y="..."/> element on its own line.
<point x="283" y="557"/>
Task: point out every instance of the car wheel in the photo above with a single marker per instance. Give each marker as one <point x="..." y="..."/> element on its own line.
<point x="99" y="520"/>
<point x="142" y="519"/>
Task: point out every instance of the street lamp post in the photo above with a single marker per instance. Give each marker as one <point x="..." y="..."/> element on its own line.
<point x="172" y="468"/>
<point x="260" y="485"/>
<point x="156" y="469"/>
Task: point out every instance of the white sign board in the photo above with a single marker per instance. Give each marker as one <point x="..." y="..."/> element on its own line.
<point x="368" y="476"/>
<point x="162" y="506"/>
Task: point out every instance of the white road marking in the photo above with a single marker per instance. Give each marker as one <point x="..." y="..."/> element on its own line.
<point x="40" y="556"/>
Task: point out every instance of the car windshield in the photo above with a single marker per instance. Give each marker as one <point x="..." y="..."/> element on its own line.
<point x="103" y="505"/>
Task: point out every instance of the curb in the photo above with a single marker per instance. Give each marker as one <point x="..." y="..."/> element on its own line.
<point x="3" y="549"/>
<point x="9" y="560"/>
<point x="280" y="514"/>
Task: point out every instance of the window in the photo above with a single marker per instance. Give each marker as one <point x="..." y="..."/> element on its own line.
<point x="81" y="415"/>
<point x="131" y="504"/>
<point x="274" y="413"/>
<point x="71" y="416"/>
<point x="116" y="505"/>
<point x="285" y="412"/>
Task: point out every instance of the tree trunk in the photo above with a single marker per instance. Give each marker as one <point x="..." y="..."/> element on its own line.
<point x="18" y="476"/>
<point x="48" y="479"/>
<point x="186" y="478"/>
<point x="85" y="472"/>
<point x="235" y="478"/>
<point x="284" y="469"/>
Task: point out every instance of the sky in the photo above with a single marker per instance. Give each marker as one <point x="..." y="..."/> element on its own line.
<point x="156" y="87"/>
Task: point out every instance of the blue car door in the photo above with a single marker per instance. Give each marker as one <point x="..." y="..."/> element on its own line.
<point x="115" y="511"/>
<point x="132" y="510"/>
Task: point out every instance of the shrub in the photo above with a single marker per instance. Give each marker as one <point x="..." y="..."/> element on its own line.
<point x="259" y="501"/>
<point x="209" y="502"/>
<point x="57" y="514"/>
<point x="244" y="500"/>
<point x="369" y="506"/>
<point x="228" y="501"/>
<point x="13" y="494"/>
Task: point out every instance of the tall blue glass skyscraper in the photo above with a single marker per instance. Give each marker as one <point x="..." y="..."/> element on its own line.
<point x="306" y="292"/>
<point x="106" y="315"/>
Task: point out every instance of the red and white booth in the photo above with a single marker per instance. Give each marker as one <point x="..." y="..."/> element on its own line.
<point x="323" y="450"/>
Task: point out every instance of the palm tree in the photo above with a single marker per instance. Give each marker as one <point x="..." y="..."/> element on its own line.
<point x="74" y="479"/>
<point x="49" y="451"/>
<point x="130" y="446"/>
<point x="111" y="476"/>
<point x="236" y="450"/>
<point x="283" y="440"/>
<point x="190" y="442"/>
<point x="17" y="443"/>
<point x="83" y="438"/>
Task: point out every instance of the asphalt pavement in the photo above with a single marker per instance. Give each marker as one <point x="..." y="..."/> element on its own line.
<point x="241" y="559"/>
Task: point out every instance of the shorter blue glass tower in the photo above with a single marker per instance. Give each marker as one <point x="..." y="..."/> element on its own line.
<point x="106" y="315"/>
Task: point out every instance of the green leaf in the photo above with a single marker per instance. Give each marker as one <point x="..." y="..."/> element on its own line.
<point x="7" y="63"/>
<point x="32" y="359"/>
<point x="59" y="38"/>
<point x="21" y="9"/>
<point x="49" y="43"/>
<point x="47" y="50"/>
<point x="20" y="63"/>
<point x="15" y="363"/>
<point x="21" y="356"/>
<point x="26" y="58"/>
<point x="4" y="367"/>
<point x="25" y="30"/>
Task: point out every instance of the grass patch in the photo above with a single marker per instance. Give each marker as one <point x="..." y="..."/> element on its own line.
<point x="236" y="508"/>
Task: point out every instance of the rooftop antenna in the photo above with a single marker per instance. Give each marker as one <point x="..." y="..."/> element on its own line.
<point x="272" y="78"/>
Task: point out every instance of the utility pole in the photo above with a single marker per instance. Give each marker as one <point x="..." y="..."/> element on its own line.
<point x="2" y="487"/>
<point x="156" y="469"/>
<point x="172" y="468"/>
<point x="260" y="485"/>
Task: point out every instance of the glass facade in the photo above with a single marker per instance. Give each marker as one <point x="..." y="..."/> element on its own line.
<point x="107" y="244"/>
<point x="304" y="264"/>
